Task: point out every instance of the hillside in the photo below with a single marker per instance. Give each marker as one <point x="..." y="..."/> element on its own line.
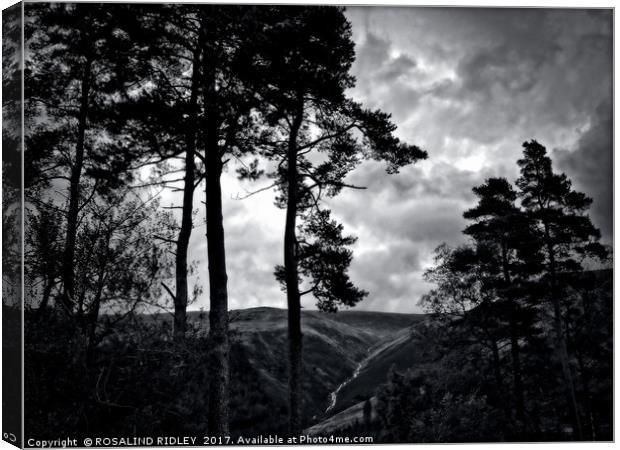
<point x="404" y="349"/>
<point x="343" y="420"/>
<point x="419" y="347"/>
<point x="407" y="347"/>
<point x="333" y="346"/>
<point x="140" y="348"/>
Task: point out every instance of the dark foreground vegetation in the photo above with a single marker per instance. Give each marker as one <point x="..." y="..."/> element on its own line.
<point x="460" y="395"/>
<point x="139" y="381"/>
<point x="428" y="378"/>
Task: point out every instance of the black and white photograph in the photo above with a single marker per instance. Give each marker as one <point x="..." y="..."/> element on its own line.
<point x="269" y="224"/>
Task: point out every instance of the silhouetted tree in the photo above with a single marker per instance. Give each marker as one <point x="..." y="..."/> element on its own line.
<point x="12" y="213"/>
<point x="324" y="259"/>
<point x="119" y="261"/>
<point x="43" y="250"/>
<point x="163" y="121"/>
<point x="509" y="257"/>
<point x="76" y="71"/>
<point x="11" y="155"/>
<point x="589" y="331"/>
<point x="566" y="235"/>
<point x="436" y="404"/>
<point x="461" y="302"/>
<point x="228" y="35"/>
<point x="309" y="58"/>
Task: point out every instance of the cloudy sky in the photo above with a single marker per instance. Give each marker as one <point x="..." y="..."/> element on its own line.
<point x="469" y="86"/>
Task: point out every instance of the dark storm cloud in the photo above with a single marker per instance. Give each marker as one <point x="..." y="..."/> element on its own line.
<point x="391" y="275"/>
<point x="385" y="75"/>
<point x="470" y="85"/>
<point x="538" y="68"/>
<point x="389" y="194"/>
<point x="487" y="75"/>
<point x="590" y="166"/>
<point x="399" y="221"/>
<point x="376" y="61"/>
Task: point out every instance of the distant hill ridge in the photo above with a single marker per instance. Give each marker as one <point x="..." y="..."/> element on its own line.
<point x="378" y="323"/>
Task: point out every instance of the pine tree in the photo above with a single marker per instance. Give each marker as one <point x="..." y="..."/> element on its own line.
<point x="503" y="236"/>
<point x="164" y="123"/>
<point x="76" y="71"/>
<point x="229" y="60"/>
<point x="566" y="235"/>
<point x="43" y="249"/>
<point x="12" y="153"/>
<point x="308" y="56"/>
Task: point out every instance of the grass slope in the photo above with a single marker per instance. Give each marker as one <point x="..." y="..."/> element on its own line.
<point x="333" y="344"/>
<point x="403" y="350"/>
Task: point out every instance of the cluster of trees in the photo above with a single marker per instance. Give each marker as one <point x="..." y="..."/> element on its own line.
<point x="11" y="157"/>
<point x="178" y="92"/>
<point x="524" y="315"/>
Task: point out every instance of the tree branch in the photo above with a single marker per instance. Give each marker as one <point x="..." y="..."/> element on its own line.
<point x="169" y="291"/>
<point x="263" y="189"/>
<point x="160" y="238"/>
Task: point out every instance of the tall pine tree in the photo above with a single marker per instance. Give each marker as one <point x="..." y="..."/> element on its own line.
<point x="76" y="72"/>
<point x="566" y="235"/>
<point x="504" y="238"/>
<point x="307" y="57"/>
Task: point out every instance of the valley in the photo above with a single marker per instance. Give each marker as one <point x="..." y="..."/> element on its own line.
<point x="346" y="356"/>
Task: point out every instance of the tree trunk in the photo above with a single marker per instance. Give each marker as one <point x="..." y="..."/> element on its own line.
<point x="516" y="368"/>
<point x="292" y="283"/>
<point x="514" y="344"/>
<point x="496" y="363"/>
<point x="181" y="295"/>
<point x="497" y="369"/>
<point x="47" y="292"/>
<point x="95" y="308"/>
<point x="218" y="279"/>
<point x="94" y="313"/>
<point x="68" y="275"/>
<point x="585" y="387"/>
<point x="584" y="372"/>
<point x="561" y="341"/>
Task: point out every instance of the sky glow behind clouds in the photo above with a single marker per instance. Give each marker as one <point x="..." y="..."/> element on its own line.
<point x="469" y="86"/>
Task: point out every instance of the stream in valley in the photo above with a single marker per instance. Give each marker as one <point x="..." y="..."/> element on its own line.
<point x="333" y="396"/>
